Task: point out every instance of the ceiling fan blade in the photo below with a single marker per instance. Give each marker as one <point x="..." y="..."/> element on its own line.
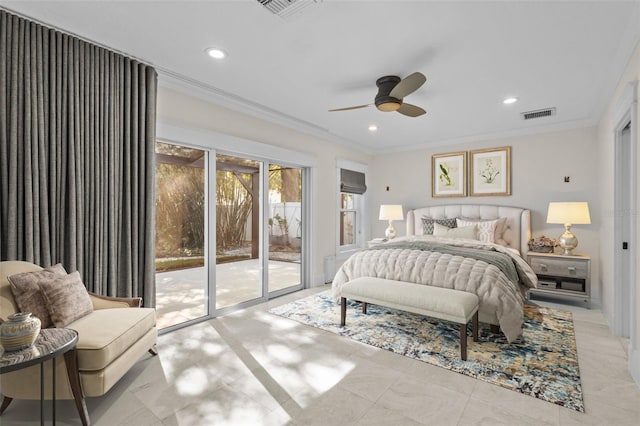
<point x="351" y="107"/>
<point x="408" y="85"/>
<point x="411" y="110"/>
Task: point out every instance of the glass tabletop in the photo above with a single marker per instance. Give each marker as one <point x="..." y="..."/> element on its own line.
<point x="50" y="343"/>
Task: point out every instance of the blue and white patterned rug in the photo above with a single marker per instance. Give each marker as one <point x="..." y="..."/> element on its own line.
<point x="544" y="364"/>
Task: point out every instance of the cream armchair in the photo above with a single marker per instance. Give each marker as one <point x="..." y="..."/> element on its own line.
<point x="111" y="340"/>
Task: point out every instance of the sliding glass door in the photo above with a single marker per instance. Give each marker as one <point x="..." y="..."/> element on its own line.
<point x="257" y="228"/>
<point x="238" y="259"/>
<point x="285" y="213"/>
<point x="181" y="244"/>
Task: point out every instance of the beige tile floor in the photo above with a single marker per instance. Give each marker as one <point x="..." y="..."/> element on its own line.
<point x="254" y="368"/>
<point x="181" y="295"/>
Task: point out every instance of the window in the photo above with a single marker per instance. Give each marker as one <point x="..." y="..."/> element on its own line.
<point x="348" y="218"/>
<point x="351" y="206"/>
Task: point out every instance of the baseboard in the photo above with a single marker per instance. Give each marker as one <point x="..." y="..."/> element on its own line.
<point x="318" y="280"/>
<point x="634" y="365"/>
<point x="595" y="304"/>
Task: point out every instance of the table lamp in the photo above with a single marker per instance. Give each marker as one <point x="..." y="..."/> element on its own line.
<point x="390" y="212"/>
<point x="571" y="213"/>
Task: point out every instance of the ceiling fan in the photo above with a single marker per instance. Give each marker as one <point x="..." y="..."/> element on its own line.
<point x="391" y="92"/>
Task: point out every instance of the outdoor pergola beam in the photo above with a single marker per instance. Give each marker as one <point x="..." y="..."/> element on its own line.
<point x="255" y="210"/>
<point x="199" y="163"/>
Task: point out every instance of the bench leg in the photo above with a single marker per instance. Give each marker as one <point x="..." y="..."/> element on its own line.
<point x="343" y="311"/>
<point x="474" y="326"/>
<point x="364" y="308"/>
<point x="463" y="341"/>
<point x="153" y="350"/>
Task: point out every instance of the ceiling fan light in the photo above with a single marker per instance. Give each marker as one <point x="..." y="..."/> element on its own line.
<point x="388" y="106"/>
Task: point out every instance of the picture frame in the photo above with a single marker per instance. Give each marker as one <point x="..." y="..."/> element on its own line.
<point x="490" y="172"/>
<point x="449" y="175"/>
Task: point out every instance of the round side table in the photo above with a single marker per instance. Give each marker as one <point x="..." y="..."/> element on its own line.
<point x="51" y="343"/>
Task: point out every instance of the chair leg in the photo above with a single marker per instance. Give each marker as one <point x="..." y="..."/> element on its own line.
<point x="153" y="350"/>
<point x="71" y="361"/>
<point x="495" y="329"/>
<point x="343" y="311"/>
<point x="364" y="308"/>
<point x="5" y="403"/>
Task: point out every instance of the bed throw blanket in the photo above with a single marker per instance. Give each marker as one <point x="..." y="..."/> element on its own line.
<point x="416" y="260"/>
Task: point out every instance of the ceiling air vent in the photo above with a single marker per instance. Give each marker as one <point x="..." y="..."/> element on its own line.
<point x="285" y="8"/>
<point x="530" y="115"/>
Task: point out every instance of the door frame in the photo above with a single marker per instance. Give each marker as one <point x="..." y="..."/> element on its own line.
<point x="624" y="312"/>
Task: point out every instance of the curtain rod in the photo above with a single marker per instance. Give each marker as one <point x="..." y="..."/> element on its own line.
<point x="159" y="69"/>
<point x="79" y="37"/>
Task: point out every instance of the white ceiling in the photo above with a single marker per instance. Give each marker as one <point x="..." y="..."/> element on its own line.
<point x="563" y="54"/>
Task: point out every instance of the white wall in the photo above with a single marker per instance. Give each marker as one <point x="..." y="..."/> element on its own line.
<point x="605" y="163"/>
<point x="179" y="109"/>
<point x="539" y="164"/>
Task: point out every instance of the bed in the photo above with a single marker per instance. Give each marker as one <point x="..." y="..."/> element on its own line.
<point x="494" y="269"/>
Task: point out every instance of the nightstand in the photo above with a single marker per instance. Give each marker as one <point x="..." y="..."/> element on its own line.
<point x="562" y="276"/>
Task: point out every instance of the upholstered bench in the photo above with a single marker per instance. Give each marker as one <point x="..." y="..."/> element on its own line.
<point x="442" y="303"/>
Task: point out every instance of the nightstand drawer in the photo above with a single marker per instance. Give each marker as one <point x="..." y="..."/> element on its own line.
<point x="559" y="267"/>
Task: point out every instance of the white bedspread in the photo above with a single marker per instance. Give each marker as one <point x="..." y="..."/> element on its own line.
<point x="499" y="297"/>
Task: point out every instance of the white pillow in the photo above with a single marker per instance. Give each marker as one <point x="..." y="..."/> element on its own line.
<point x="501" y="227"/>
<point x="486" y="228"/>
<point x="469" y="232"/>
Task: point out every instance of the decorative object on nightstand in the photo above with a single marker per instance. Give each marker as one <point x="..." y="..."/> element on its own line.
<point x="571" y="213"/>
<point x="542" y="244"/>
<point x="564" y="276"/>
<point x="390" y="212"/>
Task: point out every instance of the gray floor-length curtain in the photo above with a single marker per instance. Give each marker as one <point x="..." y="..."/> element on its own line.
<point x="77" y="134"/>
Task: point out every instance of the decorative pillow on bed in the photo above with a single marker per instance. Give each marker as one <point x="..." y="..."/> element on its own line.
<point x="468" y="232"/>
<point x="427" y="224"/>
<point x="26" y="291"/>
<point x="486" y="228"/>
<point x="501" y="227"/>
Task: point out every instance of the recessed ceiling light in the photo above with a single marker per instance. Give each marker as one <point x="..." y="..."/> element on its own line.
<point x="216" y="53"/>
<point x="373" y="128"/>
<point x="508" y="101"/>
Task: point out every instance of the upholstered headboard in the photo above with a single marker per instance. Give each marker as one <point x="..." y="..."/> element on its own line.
<point x="518" y="224"/>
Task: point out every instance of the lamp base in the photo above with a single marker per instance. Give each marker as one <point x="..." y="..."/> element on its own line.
<point x="390" y="232"/>
<point x="568" y="241"/>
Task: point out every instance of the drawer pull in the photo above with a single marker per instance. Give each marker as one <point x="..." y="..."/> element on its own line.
<point x="571" y="268"/>
<point x="543" y="266"/>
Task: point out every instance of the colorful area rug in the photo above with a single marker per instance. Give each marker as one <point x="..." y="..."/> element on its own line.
<point x="544" y="364"/>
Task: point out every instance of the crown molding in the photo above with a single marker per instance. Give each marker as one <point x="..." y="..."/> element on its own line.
<point x="567" y="125"/>
<point x="208" y="93"/>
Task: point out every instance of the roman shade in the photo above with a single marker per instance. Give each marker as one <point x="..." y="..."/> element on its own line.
<point x="352" y="182"/>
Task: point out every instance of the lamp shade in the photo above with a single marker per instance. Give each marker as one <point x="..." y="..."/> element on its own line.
<point x="391" y="212"/>
<point x="569" y="213"/>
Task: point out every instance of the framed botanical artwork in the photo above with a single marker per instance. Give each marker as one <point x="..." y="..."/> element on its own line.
<point x="490" y="172"/>
<point x="449" y="175"/>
